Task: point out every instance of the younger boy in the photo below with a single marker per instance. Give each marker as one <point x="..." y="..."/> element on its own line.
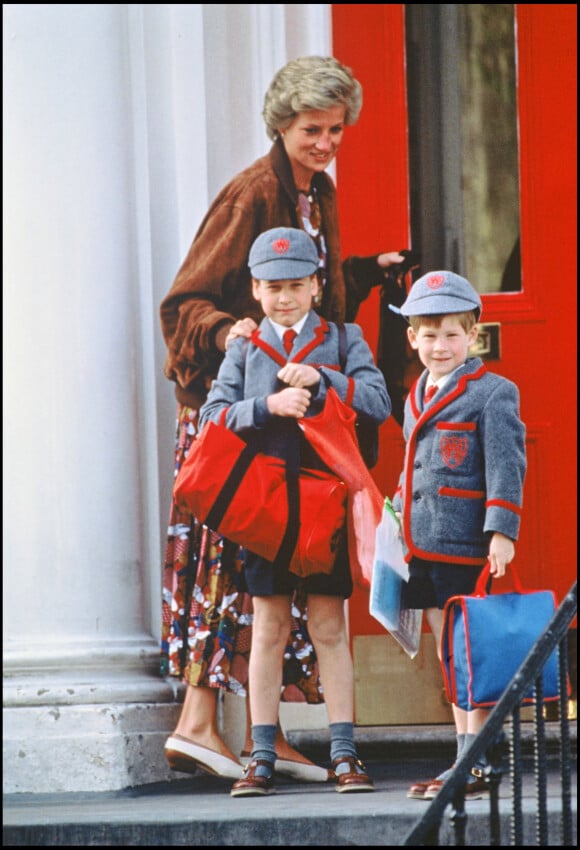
<point x="268" y="383"/>
<point x="460" y="492"/>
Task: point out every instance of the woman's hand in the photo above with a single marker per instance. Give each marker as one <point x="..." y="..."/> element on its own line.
<point x="391" y="258"/>
<point x="406" y="263"/>
<point x="243" y="327"/>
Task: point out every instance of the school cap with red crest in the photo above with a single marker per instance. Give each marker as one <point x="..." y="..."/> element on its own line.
<point x="283" y="253"/>
<point x="441" y="293"/>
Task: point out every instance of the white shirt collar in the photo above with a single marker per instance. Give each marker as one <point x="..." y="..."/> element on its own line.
<point x="281" y="329"/>
<point x="441" y="381"/>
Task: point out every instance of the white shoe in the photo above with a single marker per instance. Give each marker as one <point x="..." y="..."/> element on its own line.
<point x="297" y="770"/>
<point x="187" y="757"/>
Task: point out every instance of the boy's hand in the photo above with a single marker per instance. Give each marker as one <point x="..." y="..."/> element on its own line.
<point x="299" y="375"/>
<point x="399" y="516"/>
<point x="243" y="327"/>
<point x="291" y="401"/>
<point x="501" y="553"/>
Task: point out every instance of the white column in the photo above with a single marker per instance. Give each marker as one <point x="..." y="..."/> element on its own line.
<point x="82" y="530"/>
<point x="111" y="155"/>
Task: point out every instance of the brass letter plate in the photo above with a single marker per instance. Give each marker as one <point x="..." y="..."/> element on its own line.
<point x="487" y="345"/>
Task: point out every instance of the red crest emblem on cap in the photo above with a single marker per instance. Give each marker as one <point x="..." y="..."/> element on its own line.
<point x="280" y="246"/>
<point x="453" y="450"/>
<point x="434" y="281"/>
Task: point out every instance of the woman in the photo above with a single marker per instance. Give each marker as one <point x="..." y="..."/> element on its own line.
<point x="207" y="614"/>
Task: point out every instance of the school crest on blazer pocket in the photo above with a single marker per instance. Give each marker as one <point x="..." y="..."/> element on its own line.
<point x="456" y="448"/>
<point x="453" y="449"/>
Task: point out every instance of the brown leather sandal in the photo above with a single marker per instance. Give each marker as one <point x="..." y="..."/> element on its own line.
<point x="353" y="779"/>
<point x="251" y="785"/>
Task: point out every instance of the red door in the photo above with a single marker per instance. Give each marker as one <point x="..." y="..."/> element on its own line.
<point x="538" y="324"/>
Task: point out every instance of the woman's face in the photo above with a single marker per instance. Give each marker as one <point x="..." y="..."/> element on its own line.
<point x="312" y="141"/>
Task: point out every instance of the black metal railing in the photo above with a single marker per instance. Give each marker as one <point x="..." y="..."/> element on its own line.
<point x="491" y="742"/>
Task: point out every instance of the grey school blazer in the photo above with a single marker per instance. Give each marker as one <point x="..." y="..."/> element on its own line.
<point x="464" y="467"/>
<point x="248" y="374"/>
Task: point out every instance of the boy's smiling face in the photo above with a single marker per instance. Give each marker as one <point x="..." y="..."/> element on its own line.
<point x="442" y="345"/>
<point x="285" y="301"/>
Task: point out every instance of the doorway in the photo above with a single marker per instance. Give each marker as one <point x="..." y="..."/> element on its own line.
<point x="463" y="141"/>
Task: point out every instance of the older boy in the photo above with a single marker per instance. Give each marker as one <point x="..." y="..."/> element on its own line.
<point x="460" y="492"/>
<point x="269" y="382"/>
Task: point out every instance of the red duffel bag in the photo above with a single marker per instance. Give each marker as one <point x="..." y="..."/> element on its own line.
<point x="254" y="500"/>
<point x="332" y="434"/>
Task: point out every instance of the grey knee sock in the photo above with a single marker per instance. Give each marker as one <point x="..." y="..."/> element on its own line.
<point x="461" y="744"/>
<point x="342" y="740"/>
<point x="263" y="747"/>
<point x="481" y="761"/>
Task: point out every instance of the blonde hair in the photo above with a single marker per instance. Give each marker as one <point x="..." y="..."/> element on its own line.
<point x="308" y="83"/>
<point x="467" y="320"/>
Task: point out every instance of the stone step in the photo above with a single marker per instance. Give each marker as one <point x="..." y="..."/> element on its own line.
<point x="199" y="810"/>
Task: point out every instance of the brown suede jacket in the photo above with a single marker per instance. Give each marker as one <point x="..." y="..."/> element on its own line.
<point x="212" y="288"/>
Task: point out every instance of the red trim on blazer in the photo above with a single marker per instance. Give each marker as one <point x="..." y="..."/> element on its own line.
<point x="444" y="401"/>
<point x="319" y="332"/>
<point x="267" y="348"/>
<point x="415" y="552"/>
<point x="424" y="417"/>
<point x="468" y="494"/>
<point x="414" y="407"/>
<point x="502" y="503"/>
<point x="456" y="426"/>
<point x="350" y="392"/>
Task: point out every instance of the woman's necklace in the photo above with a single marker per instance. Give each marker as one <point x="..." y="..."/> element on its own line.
<point x="312" y="223"/>
<point x="310" y="211"/>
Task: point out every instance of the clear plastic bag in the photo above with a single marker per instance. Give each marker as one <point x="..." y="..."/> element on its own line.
<point x="390" y="570"/>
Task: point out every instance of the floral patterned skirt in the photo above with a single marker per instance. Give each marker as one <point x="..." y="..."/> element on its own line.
<point x="206" y="612"/>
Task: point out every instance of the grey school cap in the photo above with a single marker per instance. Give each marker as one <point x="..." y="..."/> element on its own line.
<point x="283" y="253"/>
<point x="439" y="293"/>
